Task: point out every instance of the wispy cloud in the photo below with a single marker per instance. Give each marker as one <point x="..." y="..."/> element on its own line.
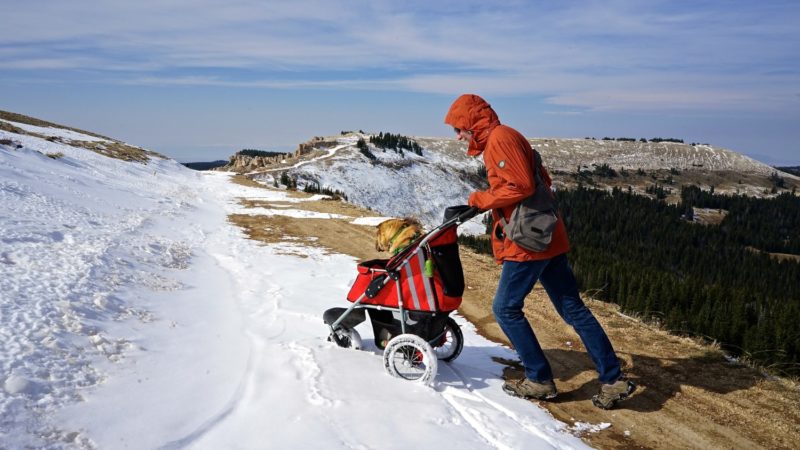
<point x="591" y="54"/>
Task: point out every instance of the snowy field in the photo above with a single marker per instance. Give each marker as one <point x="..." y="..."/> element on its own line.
<point x="133" y="315"/>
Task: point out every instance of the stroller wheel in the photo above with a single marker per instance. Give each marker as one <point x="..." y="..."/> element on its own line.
<point x="346" y="338"/>
<point x="410" y="357"/>
<point x="449" y="345"/>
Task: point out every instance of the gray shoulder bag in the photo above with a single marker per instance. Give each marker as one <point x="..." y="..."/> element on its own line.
<point x="533" y="221"/>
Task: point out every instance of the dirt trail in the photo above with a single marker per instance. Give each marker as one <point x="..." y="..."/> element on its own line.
<point x="689" y="395"/>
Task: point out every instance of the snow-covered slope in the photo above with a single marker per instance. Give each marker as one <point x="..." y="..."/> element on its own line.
<point x="134" y="315"/>
<point x="423" y="186"/>
<point x="95" y="292"/>
<point x="393" y="184"/>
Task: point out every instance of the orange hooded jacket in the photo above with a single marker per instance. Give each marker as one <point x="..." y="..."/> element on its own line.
<point x="507" y="157"/>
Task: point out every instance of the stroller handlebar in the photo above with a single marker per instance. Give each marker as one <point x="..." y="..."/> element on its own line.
<point x="452" y="215"/>
<point x="460" y="213"/>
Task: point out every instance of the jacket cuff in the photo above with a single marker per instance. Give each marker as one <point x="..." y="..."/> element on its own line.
<point x="471" y="200"/>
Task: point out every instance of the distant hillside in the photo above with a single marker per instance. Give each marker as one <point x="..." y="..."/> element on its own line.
<point x="386" y="180"/>
<point x="567" y="154"/>
<point x="249" y="160"/>
<point x="15" y="117"/>
<point x="407" y="183"/>
<point x="16" y="126"/>
<point x="647" y="165"/>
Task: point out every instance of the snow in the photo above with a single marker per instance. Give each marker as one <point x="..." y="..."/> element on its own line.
<point x="297" y="213"/>
<point x="395" y="185"/>
<point x="583" y="427"/>
<point x="370" y="221"/>
<point x="134" y="315"/>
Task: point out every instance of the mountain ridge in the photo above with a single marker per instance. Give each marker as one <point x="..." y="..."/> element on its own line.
<point x="444" y="175"/>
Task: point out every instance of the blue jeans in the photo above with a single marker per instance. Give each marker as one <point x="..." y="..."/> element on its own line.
<point x="516" y="281"/>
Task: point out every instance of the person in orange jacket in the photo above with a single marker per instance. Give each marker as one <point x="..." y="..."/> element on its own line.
<point x="507" y="156"/>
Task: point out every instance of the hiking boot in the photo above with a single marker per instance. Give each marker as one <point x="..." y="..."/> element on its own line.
<point x="526" y="388"/>
<point x="611" y="394"/>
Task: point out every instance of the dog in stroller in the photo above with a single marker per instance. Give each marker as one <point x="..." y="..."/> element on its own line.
<point x="408" y="300"/>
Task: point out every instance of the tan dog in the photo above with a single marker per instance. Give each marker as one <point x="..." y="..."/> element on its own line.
<point x="396" y="234"/>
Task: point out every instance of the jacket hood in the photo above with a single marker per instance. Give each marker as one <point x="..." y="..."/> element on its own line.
<point x="470" y="112"/>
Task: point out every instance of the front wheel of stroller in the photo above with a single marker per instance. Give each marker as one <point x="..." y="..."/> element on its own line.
<point x="346" y="338"/>
<point x="410" y="357"/>
<point x="451" y="342"/>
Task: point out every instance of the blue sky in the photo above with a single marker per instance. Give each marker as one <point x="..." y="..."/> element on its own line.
<point x="200" y="79"/>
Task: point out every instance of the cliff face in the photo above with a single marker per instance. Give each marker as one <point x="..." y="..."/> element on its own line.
<point x="246" y="163"/>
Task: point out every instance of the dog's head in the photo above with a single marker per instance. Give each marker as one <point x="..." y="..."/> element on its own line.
<point x="396" y="234"/>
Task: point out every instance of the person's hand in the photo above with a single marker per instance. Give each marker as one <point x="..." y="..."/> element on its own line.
<point x="471" y="200"/>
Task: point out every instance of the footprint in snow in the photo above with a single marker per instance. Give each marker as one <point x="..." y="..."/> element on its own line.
<point x="306" y="365"/>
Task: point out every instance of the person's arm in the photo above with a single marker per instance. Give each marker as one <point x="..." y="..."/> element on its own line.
<point x="508" y="184"/>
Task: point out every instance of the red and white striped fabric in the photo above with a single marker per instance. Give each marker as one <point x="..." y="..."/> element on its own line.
<point x="419" y="292"/>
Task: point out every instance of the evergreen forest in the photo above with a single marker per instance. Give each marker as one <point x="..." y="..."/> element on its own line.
<point x="205" y="165"/>
<point x="712" y="281"/>
<point x="395" y="142"/>
<point x="263" y="153"/>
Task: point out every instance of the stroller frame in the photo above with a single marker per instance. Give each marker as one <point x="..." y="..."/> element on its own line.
<point x="427" y="332"/>
<point x="415" y="249"/>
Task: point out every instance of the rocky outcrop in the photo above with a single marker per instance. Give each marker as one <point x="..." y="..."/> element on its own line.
<point x="246" y="163"/>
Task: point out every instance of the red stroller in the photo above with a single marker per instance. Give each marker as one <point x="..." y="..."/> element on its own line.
<point x="409" y="298"/>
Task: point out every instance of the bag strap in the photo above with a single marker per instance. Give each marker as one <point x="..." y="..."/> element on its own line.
<point x="536" y="164"/>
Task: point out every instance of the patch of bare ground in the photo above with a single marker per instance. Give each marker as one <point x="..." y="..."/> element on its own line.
<point x="118" y="150"/>
<point x="689" y="395"/>
<point x="339" y="235"/>
<point x="776" y="256"/>
<point x="708" y="216"/>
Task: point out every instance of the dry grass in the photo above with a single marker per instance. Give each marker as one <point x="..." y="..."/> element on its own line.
<point x="776" y="256"/>
<point x="118" y="150"/>
<point x="709" y="216"/>
<point x="785" y="256"/>
<point x="5" y="126"/>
